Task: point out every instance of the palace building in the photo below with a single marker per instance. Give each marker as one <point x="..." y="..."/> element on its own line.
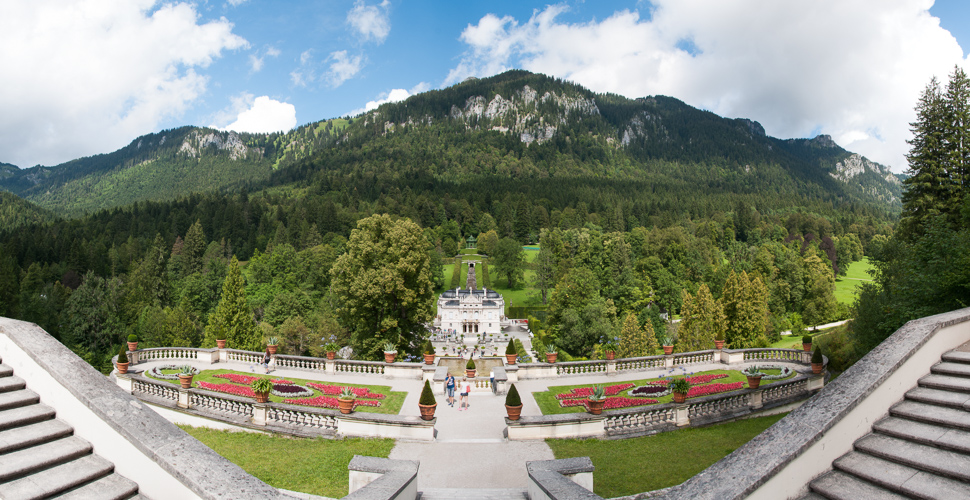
<point x="471" y="310"/>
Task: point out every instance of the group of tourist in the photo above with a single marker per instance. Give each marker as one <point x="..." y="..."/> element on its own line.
<point x="466" y="389"/>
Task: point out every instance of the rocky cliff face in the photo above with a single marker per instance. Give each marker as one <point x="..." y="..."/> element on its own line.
<point x="196" y="143"/>
<point x="857" y="164"/>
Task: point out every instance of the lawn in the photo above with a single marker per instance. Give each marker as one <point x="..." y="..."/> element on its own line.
<point x="857" y="274"/>
<point x="391" y="404"/>
<point x="630" y="466"/>
<point x="316" y="466"/>
<point x="549" y="405"/>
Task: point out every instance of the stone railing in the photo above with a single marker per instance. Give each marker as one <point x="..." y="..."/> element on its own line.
<point x="374" y="478"/>
<point x="640" y="364"/>
<point x="645" y="420"/>
<point x="581" y="367"/>
<point x="780" y="462"/>
<point x="565" y="478"/>
<point x="279" y="417"/>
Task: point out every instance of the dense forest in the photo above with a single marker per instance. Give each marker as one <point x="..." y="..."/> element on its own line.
<point x="644" y="205"/>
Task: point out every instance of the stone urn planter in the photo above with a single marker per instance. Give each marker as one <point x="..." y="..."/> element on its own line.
<point x="427" y="402"/>
<point x="595" y="405"/>
<point x="514" y="412"/>
<point x="754" y="381"/>
<point x="132" y="346"/>
<point x="510" y="358"/>
<point x="470" y="369"/>
<point x="668" y="350"/>
<point x="551" y="357"/>
<point x="220" y="344"/>
<point x="753" y="374"/>
<point x="680" y="397"/>
<point x="262" y="397"/>
<point x="719" y="344"/>
<point x="261" y="388"/>
<point x="429" y="359"/>
<point x="346" y="405"/>
<point x="331" y="355"/>
<point x="807" y="347"/>
<point x="427" y="411"/>
<point x="185" y="381"/>
<point x="389" y="356"/>
<point x="122" y="367"/>
<point x="817" y="368"/>
<point x="610" y="355"/>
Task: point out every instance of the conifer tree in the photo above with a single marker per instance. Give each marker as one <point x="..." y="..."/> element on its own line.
<point x="232" y="319"/>
<point x="634" y="341"/>
<point x="745" y="311"/>
<point x="701" y="319"/>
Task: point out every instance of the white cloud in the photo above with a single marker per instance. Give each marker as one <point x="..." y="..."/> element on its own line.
<point x="78" y="78"/>
<point x="236" y="3"/>
<point x="394" y="95"/>
<point x="849" y="68"/>
<point x="260" y="115"/>
<point x="371" y="22"/>
<point x="256" y="61"/>
<point x="343" y="67"/>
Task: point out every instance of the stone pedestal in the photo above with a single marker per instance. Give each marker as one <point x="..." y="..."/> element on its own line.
<point x="611" y="367"/>
<point x="755" y="400"/>
<point x="259" y="413"/>
<point x="681" y="416"/>
<point x="183" y="401"/>
<point x="124" y="381"/>
<point x="330" y="366"/>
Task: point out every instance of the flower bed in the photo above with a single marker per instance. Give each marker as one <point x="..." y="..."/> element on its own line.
<point x="288" y="389"/>
<point x="694" y="380"/>
<point x="237" y="378"/>
<point x="334" y="390"/>
<point x="329" y="402"/>
<point x="612" y="403"/>
<point x="785" y="372"/>
<point x="706" y="390"/>
<point x="657" y="391"/>
<point x="156" y="372"/>
<point x="292" y="392"/>
<point x="236" y="390"/>
<point x="585" y="392"/>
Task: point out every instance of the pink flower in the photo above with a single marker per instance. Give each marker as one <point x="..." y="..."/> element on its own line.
<point x="238" y="390"/>
<point x="237" y="378"/>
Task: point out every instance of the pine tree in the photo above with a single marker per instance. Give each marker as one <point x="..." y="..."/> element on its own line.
<point x="745" y="311"/>
<point x="956" y="129"/>
<point x="232" y="319"/>
<point x="635" y="340"/>
<point x="701" y="319"/>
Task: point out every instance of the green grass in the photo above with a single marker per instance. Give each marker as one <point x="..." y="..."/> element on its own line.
<point x="316" y="466"/>
<point x="391" y="404"/>
<point x="549" y="405"/>
<point x="630" y="466"/>
<point x="856" y="275"/>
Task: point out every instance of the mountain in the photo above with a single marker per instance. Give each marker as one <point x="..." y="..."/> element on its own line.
<point x="506" y="129"/>
<point x="16" y="212"/>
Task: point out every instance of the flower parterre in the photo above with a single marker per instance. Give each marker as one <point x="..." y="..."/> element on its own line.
<point x="334" y="390"/>
<point x="239" y="386"/>
<point x="695" y="379"/>
<point x="236" y="390"/>
<point x="613" y="403"/>
<point x="705" y="390"/>
<point x="649" y="393"/>
<point x="585" y="392"/>
<point x="329" y="402"/>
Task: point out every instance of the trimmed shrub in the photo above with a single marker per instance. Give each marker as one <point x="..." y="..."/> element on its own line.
<point x="512" y="398"/>
<point x="510" y="349"/>
<point x="123" y="354"/>
<point x="470" y="365"/>
<point x="427" y="396"/>
<point x="132" y="337"/>
<point x="428" y="347"/>
<point x="807" y="339"/>
<point x="817" y="355"/>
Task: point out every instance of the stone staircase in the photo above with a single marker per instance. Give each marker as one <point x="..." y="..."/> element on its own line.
<point x="921" y="449"/>
<point x="41" y="458"/>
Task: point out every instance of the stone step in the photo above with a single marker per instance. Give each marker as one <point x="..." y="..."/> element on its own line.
<point x="110" y="487"/>
<point x="940" y="398"/>
<point x="900" y="478"/>
<point x="11" y="383"/>
<point x="33" y="434"/>
<point x="929" y="434"/>
<point x="25" y="415"/>
<point x="957" y="357"/>
<point x="5" y="371"/>
<point x="60" y="478"/>
<point x="838" y="485"/>
<point x="473" y="494"/>
<point x="20" y="463"/>
<point x="954" y="369"/>
<point x="942" y="382"/>
<point x="918" y="456"/>
<point x="811" y="496"/>
<point x="16" y="399"/>
<point x="931" y="414"/>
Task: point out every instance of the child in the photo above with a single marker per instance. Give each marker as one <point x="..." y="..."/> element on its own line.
<point x="466" y="388"/>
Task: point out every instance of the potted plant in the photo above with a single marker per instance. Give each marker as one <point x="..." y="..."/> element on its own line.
<point x="122" y="360"/>
<point x="390" y="351"/>
<point x="220" y="344"/>
<point x="719" y="340"/>
<point x="186" y="372"/>
<point x="427" y="402"/>
<point x="679" y="387"/>
<point x="428" y="353"/>
<point x="510" y="352"/>
<point x="346" y="400"/>
<point x="470" y="369"/>
<point x="132" y="342"/>
<point x="754" y="374"/>
<point x="513" y="403"/>
<point x="668" y="344"/>
<point x="596" y="400"/>
<point x="610" y="351"/>
<point x="817" y="361"/>
<point x="272" y="344"/>
<point x="261" y="388"/>
<point x="807" y="343"/>
<point x="551" y="354"/>
<point x="331" y="348"/>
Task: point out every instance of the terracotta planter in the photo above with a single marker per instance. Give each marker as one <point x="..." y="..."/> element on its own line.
<point x="719" y="344"/>
<point x="389" y="357"/>
<point x="429" y="359"/>
<point x="331" y="355"/>
<point x="427" y="411"/>
<point x="132" y="346"/>
<point x="551" y="357"/>
<point x="595" y="406"/>
<point x="262" y="397"/>
<point x="610" y="355"/>
<point x="514" y="411"/>
<point x="668" y="350"/>
<point x="272" y="349"/>
<point x="680" y="397"/>
<point x="807" y="347"/>
<point x="346" y="405"/>
<point x="510" y="358"/>
<point x="817" y="368"/>
<point x="754" y="382"/>
<point x="186" y="381"/>
<point x="469" y="373"/>
<point x="122" y="367"/>
<point x="220" y="344"/>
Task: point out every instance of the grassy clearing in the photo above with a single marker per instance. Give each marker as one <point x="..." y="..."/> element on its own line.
<point x="316" y="466"/>
<point x="549" y="405"/>
<point x="846" y="288"/>
<point x="630" y="466"/>
<point x="391" y="404"/>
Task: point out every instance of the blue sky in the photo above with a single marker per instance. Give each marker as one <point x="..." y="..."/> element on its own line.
<point x="87" y="77"/>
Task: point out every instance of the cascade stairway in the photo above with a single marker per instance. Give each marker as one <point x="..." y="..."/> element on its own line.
<point x="921" y="449"/>
<point x="41" y="458"/>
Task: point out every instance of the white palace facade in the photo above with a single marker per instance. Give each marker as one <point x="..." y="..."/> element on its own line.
<point x="471" y="311"/>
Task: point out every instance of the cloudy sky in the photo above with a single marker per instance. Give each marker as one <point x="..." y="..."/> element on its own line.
<point x="81" y="77"/>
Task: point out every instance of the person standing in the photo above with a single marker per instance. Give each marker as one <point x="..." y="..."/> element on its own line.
<point x="450" y="387"/>
<point x="267" y="357"/>
<point x="466" y="388"/>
